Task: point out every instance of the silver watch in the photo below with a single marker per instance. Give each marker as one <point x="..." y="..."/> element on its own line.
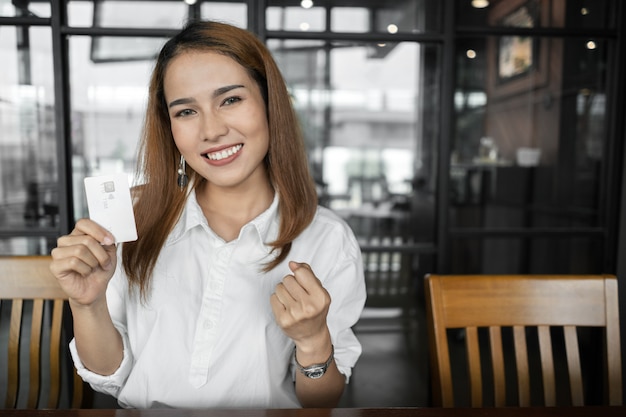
<point x="317" y="370"/>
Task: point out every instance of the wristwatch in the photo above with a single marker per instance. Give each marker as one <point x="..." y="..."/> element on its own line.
<point x="317" y="370"/>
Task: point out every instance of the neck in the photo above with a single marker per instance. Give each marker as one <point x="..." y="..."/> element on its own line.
<point x="227" y="210"/>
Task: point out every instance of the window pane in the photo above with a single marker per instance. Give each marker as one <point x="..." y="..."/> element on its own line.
<point x="108" y="106"/>
<point x="295" y="18"/>
<point x="28" y="165"/>
<point x="143" y="14"/>
<point x="576" y="255"/>
<point x="529" y="148"/>
<point x="411" y="16"/>
<point x="370" y="140"/>
<point x="572" y="14"/>
<point x="350" y="19"/>
<point x="80" y="13"/>
<point x="232" y="12"/>
<point x="11" y="8"/>
<point x="115" y="48"/>
<point x="18" y="246"/>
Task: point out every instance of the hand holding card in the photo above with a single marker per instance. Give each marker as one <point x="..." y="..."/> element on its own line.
<point x="110" y="205"/>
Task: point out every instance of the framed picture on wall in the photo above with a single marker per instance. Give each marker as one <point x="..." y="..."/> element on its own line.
<point x="518" y="63"/>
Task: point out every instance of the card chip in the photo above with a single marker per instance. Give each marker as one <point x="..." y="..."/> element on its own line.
<point x="109" y="186"/>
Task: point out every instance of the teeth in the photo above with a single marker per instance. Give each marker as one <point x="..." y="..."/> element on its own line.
<point x="224" y="153"/>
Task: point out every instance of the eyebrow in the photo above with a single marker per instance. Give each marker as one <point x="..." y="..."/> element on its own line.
<point x="218" y="92"/>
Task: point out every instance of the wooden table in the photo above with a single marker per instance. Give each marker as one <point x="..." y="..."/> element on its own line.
<point x="336" y="412"/>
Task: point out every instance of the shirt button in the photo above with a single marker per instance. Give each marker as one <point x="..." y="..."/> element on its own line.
<point x="208" y="324"/>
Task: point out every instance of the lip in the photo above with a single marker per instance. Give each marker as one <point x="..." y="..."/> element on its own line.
<point x="223" y="161"/>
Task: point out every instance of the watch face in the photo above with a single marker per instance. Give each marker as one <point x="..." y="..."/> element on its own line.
<point x="315" y="372"/>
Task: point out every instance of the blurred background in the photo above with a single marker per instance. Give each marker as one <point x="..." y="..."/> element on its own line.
<point x="454" y="136"/>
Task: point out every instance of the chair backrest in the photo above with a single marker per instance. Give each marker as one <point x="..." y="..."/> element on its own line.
<point x="36" y="318"/>
<point x="524" y="308"/>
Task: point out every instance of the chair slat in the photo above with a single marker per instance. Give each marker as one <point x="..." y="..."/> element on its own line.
<point x="34" y="387"/>
<point x="573" y="365"/>
<point x="55" y="355"/>
<point x="497" y="364"/>
<point x="439" y="343"/>
<point x="521" y="361"/>
<point x="13" y="375"/>
<point x="473" y="362"/>
<point x="78" y="392"/>
<point x="547" y="365"/>
<point x="613" y="351"/>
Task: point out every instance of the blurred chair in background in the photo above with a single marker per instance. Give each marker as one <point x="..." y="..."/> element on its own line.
<point x="34" y="337"/>
<point x="515" y="323"/>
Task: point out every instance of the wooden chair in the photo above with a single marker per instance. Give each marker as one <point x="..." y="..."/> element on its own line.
<point x="36" y="318"/>
<point x="486" y="307"/>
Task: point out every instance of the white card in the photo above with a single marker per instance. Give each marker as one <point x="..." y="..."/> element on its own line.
<point x="110" y="205"/>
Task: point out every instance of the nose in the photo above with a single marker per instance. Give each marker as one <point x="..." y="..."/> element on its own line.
<point x="213" y="127"/>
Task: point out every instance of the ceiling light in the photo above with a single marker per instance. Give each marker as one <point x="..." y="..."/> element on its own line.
<point x="480" y="4"/>
<point x="306" y="4"/>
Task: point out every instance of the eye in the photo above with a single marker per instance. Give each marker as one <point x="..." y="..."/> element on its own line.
<point x="231" y="100"/>
<point x="184" y="113"/>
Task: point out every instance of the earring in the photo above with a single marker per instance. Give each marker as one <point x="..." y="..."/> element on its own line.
<point x="182" y="174"/>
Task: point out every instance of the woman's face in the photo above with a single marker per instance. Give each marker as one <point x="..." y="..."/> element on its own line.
<point x="218" y="118"/>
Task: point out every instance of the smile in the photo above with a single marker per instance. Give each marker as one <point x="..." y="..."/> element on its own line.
<point x="224" y="153"/>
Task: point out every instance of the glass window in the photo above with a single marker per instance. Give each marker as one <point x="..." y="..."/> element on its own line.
<point x="370" y="140"/>
<point x="549" y="255"/>
<point x="108" y="105"/>
<point x="529" y="145"/>
<point x="28" y="165"/>
<point x="572" y="14"/>
<point x="27" y="246"/>
<point x="144" y="14"/>
<point x="80" y="13"/>
<point x="134" y="14"/>
<point x="231" y="12"/>
<point x="411" y="16"/>
<point x="350" y="19"/>
<point x="528" y="153"/>
<point x="303" y="18"/>
<point x="11" y="8"/>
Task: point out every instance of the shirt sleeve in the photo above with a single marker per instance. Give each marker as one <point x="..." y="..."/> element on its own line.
<point x="344" y="280"/>
<point x="109" y="384"/>
<point x="346" y="286"/>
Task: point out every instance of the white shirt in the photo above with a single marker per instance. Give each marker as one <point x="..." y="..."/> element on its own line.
<point x="206" y="336"/>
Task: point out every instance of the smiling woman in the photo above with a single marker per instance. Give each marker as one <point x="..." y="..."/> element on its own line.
<point x="233" y="272"/>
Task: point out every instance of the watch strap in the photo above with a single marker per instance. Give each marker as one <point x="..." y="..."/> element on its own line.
<point x="317" y="370"/>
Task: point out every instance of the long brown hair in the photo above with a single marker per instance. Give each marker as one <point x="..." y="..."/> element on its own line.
<point x="159" y="200"/>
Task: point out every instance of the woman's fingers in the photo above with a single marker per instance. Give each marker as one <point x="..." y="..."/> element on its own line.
<point x="300" y="303"/>
<point x="93" y="229"/>
<point x="83" y="250"/>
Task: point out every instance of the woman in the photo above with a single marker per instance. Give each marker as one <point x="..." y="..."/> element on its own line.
<point x="240" y="291"/>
